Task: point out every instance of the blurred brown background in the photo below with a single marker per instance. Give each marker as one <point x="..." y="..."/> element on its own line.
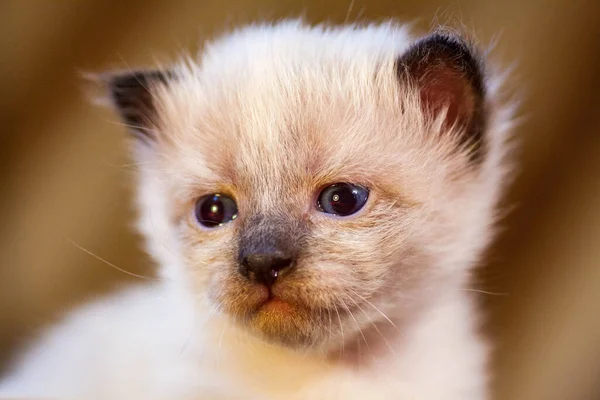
<point x="64" y="176"/>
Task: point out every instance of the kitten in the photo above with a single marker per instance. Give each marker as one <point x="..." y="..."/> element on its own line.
<point x="315" y="198"/>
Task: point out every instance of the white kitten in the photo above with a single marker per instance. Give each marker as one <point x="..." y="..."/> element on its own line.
<point x="316" y="198"/>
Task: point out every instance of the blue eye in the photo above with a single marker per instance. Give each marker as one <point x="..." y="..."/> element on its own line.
<point x="342" y="199"/>
<point x="215" y="209"/>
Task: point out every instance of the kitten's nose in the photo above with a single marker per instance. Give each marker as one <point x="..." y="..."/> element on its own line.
<point x="264" y="267"/>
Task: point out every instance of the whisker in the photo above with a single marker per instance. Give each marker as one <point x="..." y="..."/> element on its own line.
<point x="220" y="344"/>
<point x="341" y="331"/>
<point x="330" y="324"/>
<point x="376" y="309"/>
<point x="134" y="127"/>
<point x="129" y="165"/>
<point x="355" y="321"/>
<point x="195" y="324"/>
<point x="97" y="257"/>
<point x="349" y="11"/>
<point x="484" y="292"/>
<point x="374" y="326"/>
<point x="191" y="335"/>
<point x="166" y="247"/>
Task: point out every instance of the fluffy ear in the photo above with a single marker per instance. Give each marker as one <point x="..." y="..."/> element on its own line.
<point x="132" y="94"/>
<point x="448" y="74"/>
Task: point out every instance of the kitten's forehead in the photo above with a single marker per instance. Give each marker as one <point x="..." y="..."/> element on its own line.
<point x="263" y="51"/>
<point x="269" y="115"/>
<point x="279" y="138"/>
<point x="273" y="90"/>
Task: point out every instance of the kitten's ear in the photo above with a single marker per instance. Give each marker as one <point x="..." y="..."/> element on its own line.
<point x="448" y="74"/>
<point x="132" y="94"/>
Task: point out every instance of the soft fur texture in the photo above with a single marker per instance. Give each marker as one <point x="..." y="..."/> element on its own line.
<point x="375" y="306"/>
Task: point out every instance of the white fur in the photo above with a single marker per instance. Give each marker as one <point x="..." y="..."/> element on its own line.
<point x="164" y="340"/>
<point x="146" y="343"/>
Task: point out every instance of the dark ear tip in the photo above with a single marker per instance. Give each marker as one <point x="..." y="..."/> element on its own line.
<point x="456" y="46"/>
<point x="447" y="41"/>
<point x="123" y="83"/>
<point x="131" y="94"/>
<point x="448" y="71"/>
<point x="119" y="81"/>
<point x="104" y="88"/>
<point x="448" y="48"/>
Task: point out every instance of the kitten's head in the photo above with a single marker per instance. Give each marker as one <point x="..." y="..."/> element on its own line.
<point x="307" y="181"/>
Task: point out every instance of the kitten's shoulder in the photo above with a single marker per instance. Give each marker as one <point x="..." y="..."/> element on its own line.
<point x="102" y="341"/>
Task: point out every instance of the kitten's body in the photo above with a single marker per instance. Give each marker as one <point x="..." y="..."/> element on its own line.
<point x="135" y="346"/>
<point x="298" y="108"/>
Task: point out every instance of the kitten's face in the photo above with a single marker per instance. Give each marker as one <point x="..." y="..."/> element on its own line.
<point x="273" y="138"/>
<point x="275" y="180"/>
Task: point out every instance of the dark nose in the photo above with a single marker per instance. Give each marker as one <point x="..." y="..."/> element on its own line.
<point x="264" y="267"/>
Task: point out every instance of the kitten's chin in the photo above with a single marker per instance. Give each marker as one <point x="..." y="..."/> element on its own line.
<point x="276" y="319"/>
<point x="285" y="323"/>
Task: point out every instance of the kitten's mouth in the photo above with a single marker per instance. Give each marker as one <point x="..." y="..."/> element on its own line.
<point x="276" y="317"/>
<point x="276" y="305"/>
<point x="280" y="313"/>
<point x="273" y="303"/>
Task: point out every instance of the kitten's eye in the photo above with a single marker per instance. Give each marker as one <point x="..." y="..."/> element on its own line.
<point x="342" y="199"/>
<point x="215" y="209"/>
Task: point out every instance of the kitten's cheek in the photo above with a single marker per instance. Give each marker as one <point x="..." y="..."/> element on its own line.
<point x="216" y="287"/>
<point x="235" y="295"/>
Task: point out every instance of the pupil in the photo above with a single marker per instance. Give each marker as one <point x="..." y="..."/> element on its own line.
<point x="212" y="211"/>
<point x="215" y="210"/>
<point x="343" y="201"/>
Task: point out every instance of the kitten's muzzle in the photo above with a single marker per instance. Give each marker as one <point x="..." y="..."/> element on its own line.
<point x="264" y="267"/>
<point x="268" y="245"/>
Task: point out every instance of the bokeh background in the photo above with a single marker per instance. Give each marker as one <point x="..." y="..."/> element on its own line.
<point x="65" y="180"/>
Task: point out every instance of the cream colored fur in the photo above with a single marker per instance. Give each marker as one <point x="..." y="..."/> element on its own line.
<point x="271" y="113"/>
